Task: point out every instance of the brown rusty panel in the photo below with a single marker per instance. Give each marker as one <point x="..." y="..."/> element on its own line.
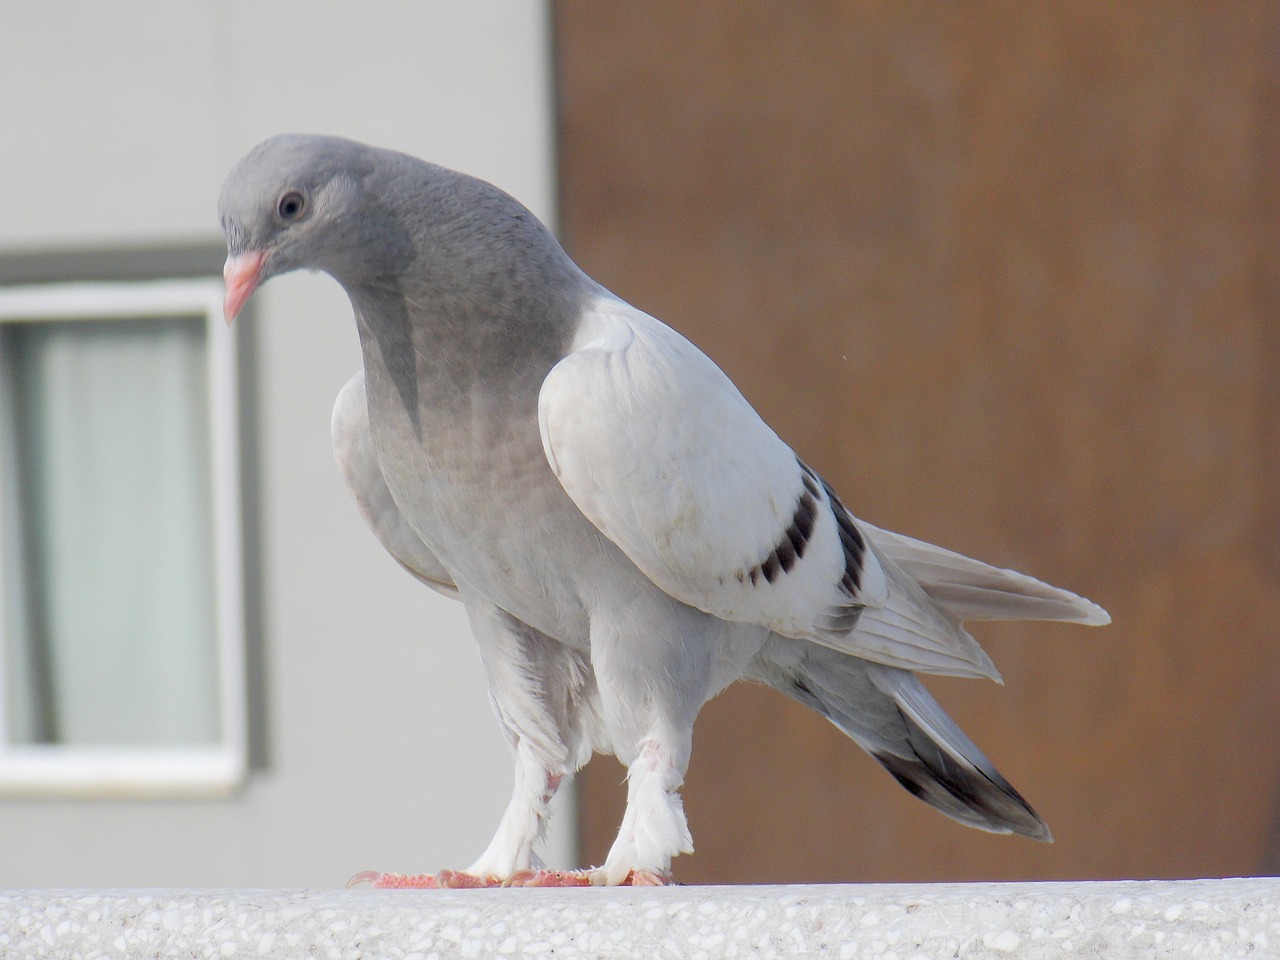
<point x="1006" y="275"/>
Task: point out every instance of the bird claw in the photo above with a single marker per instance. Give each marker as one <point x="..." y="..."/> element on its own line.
<point x="647" y="878"/>
<point x="364" y="876"/>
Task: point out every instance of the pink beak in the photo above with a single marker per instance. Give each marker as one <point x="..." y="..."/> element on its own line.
<point x="242" y="274"/>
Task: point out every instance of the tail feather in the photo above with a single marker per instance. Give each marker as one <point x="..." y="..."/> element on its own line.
<point x="890" y="714"/>
<point x="881" y="704"/>
<point x="949" y="770"/>
<point x="972" y="590"/>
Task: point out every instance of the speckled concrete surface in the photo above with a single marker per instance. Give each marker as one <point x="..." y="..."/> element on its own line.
<point x="1190" y="918"/>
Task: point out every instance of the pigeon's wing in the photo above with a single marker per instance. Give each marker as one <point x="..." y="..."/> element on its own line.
<point x="663" y="454"/>
<point x="358" y="461"/>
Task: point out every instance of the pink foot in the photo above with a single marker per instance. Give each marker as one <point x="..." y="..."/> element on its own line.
<point x="549" y="878"/>
<point x="457" y="880"/>
<point x="444" y="880"/>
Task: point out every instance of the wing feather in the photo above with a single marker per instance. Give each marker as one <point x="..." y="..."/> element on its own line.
<point x="357" y="459"/>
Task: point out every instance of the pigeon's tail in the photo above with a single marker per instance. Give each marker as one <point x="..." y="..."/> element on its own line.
<point x="890" y="714"/>
<point x="969" y="589"/>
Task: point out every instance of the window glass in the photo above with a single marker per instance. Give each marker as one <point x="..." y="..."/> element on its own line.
<point x="113" y="607"/>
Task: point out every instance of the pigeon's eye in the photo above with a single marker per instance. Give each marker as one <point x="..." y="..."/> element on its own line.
<point x="291" y="205"/>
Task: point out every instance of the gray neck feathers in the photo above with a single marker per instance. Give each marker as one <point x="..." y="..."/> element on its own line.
<point x="489" y="303"/>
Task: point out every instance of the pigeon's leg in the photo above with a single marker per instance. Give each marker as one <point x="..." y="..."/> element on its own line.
<point x="653" y="664"/>
<point x="654" y="828"/>
<point x="541" y="691"/>
<point x="511" y="849"/>
<point x="509" y="855"/>
<point x="535" y="683"/>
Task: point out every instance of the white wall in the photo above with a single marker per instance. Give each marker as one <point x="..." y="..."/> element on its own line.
<point x="117" y="124"/>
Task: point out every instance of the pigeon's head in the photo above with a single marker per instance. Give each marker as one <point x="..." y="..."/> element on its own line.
<point x="299" y="201"/>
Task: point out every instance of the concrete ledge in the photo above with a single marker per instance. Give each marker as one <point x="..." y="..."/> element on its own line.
<point x="1186" y="918"/>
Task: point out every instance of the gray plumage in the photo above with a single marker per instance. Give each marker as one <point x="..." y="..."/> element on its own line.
<point x="627" y="535"/>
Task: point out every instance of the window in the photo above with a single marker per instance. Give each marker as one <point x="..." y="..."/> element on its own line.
<point x="121" y="617"/>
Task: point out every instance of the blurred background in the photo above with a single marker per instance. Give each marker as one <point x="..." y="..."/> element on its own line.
<point x="1005" y="275"/>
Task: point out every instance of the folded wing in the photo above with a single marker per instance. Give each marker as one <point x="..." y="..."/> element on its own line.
<point x="662" y="453"/>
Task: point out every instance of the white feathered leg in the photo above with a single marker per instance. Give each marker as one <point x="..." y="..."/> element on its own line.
<point x="511" y="849"/>
<point x="651" y="723"/>
<point x="544" y="694"/>
<point x="654" y="828"/>
<point x="540" y="690"/>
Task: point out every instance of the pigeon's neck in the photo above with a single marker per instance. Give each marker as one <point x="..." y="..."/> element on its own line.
<point x="435" y="356"/>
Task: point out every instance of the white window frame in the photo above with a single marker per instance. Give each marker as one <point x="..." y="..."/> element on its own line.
<point x="145" y="771"/>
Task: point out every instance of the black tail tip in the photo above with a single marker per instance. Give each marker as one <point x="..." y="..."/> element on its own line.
<point x="969" y="796"/>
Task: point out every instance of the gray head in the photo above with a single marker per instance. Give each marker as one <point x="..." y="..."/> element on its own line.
<point x="307" y="201"/>
<point x="367" y="216"/>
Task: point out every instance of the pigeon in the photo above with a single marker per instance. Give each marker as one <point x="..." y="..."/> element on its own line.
<point x="627" y="535"/>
